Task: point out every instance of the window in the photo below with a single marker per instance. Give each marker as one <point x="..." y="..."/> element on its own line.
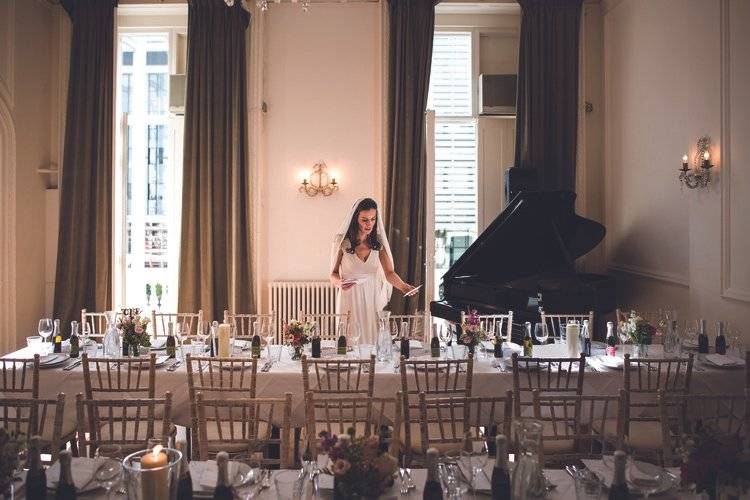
<point x="149" y="222"/>
<point x="456" y="190"/>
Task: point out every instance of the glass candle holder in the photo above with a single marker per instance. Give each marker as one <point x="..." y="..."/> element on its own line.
<point x="152" y="474"/>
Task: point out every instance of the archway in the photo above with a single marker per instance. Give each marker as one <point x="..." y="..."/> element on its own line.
<point x="7" y="229"/>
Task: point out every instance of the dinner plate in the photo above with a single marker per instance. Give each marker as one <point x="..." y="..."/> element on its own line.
<point x="241" y="478"/>
<point x="52" y="360"/>
<point x="723" y="361"/>
<point x="613" y="362"/>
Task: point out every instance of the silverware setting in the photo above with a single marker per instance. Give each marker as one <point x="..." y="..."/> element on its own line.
<point x="73" y="365"/>
<point x="174" y="366"/>
<point x="267" y="367"/>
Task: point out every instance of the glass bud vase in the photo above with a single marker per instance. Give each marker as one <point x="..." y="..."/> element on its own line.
<point x="111" y="341"/>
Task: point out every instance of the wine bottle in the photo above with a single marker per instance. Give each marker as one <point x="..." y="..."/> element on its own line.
<point x="528" y="346"/>
<point x="498" y="348"/>
<point x="586" y="338"/>
<point x="489" y="439"/>
<point x="611" y="340"/>
<point x="721" y="340"/>
<point x="315" y="345"/>
<point x="214" y="348"/>
<point x="433" y="490"/>
<point x="57" y="338"/>
<point x="224" y="490"/>
<point x="36" y="478"/>
<point x="341" y="345"/>
<point x="405" y="339"/>
<point x="703" y="338"/>
<point x="75" y="340"/>
<point x="619" y="488"/>
<point x="500" y="474"/>
<point x="171" y="348"/>
<point x="185" y="484"/>
<point x="66" y="489"/>
<point x="255" y="345"/>
<point x="434" y="343"/>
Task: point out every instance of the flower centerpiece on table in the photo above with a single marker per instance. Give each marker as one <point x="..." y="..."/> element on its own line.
<point x="11" y="445"/>
<point x="715" y="462"/>
<point x="296" y="335"/>
<point x="133" y="328"/>
<point x="358" y="466"/>
<point x="472" y="332"/>
<point x="637" y="330"/>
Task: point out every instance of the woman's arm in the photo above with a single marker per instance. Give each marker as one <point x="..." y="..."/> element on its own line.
<point x="391" y="275"/>
<point x="335" y="277"/>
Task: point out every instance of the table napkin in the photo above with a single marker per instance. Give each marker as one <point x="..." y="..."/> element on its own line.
<point x="82" y="469"/>
<point x="210" y="472"/>
<point x="606" y="474"/>
<point x="724" y="360"/>
<point x="159" y="343"/>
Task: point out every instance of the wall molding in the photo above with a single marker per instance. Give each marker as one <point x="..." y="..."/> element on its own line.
<point x="644" y="272"/>
<point x="7" y="228"/>
<point x="727" y="289"/>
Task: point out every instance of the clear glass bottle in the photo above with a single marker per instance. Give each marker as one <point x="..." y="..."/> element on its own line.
<point x="670" y="337"/>
<point x="384" y="348"/>
<point x="528" y="481"/>
<point x="111" y="341"/>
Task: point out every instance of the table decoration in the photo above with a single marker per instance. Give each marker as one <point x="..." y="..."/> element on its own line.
<point x="133" y="329"/>
<point x="716" y="463"/>
<point x="11" y="446"/>
<point x="638" y="332"/>
<point x="358" y="466"/>
<point x="472" y="332"/>
<point x="296" y="335"/>
<point x="152" y="474"/>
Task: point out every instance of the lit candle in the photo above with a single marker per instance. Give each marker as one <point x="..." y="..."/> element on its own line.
<point x="684" y="162"/>
<point x="154" y="483"/>
<point x="224" y="348"/>
<point x="706" y="155"/>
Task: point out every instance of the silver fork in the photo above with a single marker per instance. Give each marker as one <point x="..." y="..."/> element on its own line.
<point x="409" y="482"/>
<point x="404" y="489"/>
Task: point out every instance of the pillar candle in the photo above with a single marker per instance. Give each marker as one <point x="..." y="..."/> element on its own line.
<point x="224" y="347"/>
<point x="572" y="331"/>
<point x="154" y="483"/>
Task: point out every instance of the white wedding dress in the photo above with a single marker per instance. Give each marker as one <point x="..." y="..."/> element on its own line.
<point x="363" y="300"/>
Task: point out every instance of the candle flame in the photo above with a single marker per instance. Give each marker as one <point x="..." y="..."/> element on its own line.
<point x="706" y="155"/>
<point x="157" y="449"/>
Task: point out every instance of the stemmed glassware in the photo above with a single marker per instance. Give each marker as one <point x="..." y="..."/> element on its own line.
<point x="646" y="477"/>
<point x="356" y="334"/>
<point x="445" y="336"/>
<point x="541" y="333"/>
<point x="109" y="470"/>
<point x="45" y="330"/>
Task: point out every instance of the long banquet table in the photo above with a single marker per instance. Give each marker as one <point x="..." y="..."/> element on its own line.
<point x="285" y="376"/>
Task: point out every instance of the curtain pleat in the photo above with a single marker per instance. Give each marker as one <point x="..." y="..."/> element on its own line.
<point x="215" y="271"/>
<point x="547" y="103"/>
<point x="84" y="251"/>
<point x="412" y="27"/>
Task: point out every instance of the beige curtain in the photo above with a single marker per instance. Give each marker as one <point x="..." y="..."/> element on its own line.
<point x="84" y="250"/>
<point x="215" y="272"/>
<point x="412" y="26"/>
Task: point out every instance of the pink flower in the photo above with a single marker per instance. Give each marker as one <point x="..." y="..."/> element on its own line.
<point x="139" y="329"/>
<point x="341" y="467"/>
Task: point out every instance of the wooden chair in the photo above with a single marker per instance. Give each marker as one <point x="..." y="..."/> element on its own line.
<point x="36" y="417"/>
<point x="368" y="416"/>
<point x="20" y="376"/>
<point x="327" y="323"/>
<point x="556" y="323"/>
<point x="446" y="421"/>
<point x="415" y="324"/>
<point x="570" y="425"/>
<point x="643" y="378"/>
<point x="96" y="321"/>
<point x="436" y="379"/>
<point x="160" y="322"/>
<point x="115" y="377"/>
<point x="219" y="378"/>
<point x="246" y="426"/>
<point x="127" y="422"/>
<point x="339" y="377"/>
<point x="243" y="324"/>
<point x="491" y="323"/>
<point x="550" y="376"/>
<point x="682" y="415"/>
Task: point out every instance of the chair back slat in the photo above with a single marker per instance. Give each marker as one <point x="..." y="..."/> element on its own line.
<point x="32" y="417"/>
<point x="328" y="323"/>
<point x="185" y="324"/>
<point x="96" y="322"/>
<point x="338" y="377"/>
<point x="491" y="323"/>
<point x="109" y="377"/>
<point x="556" y="323"/>
<point x="644" y="377"/>
<point x="548" y="375"/>
<point x="20" y="376"/>
<point x="415" y="325"/>
<point x="243" y="324"/>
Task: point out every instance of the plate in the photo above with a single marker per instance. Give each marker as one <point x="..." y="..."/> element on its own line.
<point x="613" y="362"/>
<point x="724" y="361"/>
<point x="241" y="477"/>
<point x="487" y="345"/>
<point x="52" y="360"/>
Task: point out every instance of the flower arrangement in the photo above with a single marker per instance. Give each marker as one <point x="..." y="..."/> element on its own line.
<point x="637" y="330"/>
<point x="711" y="458"/>
<point x="472" y="332"/>
<point x="359" y="467"/>
<point x="11" y="445"/>
<point x="133" y="328"/>
<point x="296" y="335"/>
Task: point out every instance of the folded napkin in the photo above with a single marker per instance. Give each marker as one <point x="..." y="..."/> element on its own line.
<point x="159" y="343"/>
<point x="211" y="471"/>
<point x="82" y="469"/>
<point x="606" y="472"/>
<point x="242" y="344"/>
<point x="724" y="360"/>
<point x="611" y="361"/>
<point x="415" y="344"/>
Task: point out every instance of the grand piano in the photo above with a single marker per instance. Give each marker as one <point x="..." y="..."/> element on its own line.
<point x="525" y="261"/>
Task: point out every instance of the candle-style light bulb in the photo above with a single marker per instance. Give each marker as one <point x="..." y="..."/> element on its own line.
<point x="706" y="155"/>
<point x="684" y="159"/>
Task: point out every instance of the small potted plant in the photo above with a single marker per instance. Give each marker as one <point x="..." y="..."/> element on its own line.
<point x="639" y="332"/>
<point x="296" y="335"/>
<point x="133" y="328"/>
<point x="472" y="332"/>
<point x="148" y="294"/>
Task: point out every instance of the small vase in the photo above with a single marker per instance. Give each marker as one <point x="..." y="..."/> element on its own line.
<point x="640" y="350"/>
<point x="296" y="352"/>
<point x="472" y="351"/>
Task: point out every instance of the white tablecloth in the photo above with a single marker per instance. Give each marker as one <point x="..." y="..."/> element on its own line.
<point x="285" y="376"/>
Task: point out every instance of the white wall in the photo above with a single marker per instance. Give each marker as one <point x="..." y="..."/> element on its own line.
<point x="323" y="91"/>
<point x="667" y="65"/>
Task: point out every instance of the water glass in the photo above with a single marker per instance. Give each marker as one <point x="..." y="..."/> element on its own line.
<point x="274" y="352"/>
<point x="458" y="351"/>
<point x="365" y="350"/>
<point x="588" y="486"/>
<point x="286" y="484"/>
<point x="35" y="343"/>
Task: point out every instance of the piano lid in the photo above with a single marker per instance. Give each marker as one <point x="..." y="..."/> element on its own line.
<point x="537" y="232"/>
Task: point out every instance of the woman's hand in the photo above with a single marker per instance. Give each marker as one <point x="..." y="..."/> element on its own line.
<point x="406" y="288"/>
<point x="346" y="286"/>
<point x="337" y="281"/>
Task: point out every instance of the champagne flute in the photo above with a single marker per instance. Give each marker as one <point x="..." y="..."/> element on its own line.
<point x="541" y="333"/>
<point x="445" y="336"/>
<point x="45" y="330"/>
<point x="356" y="334"/>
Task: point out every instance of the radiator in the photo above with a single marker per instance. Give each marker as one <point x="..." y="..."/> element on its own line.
<point x="288" y="298"/>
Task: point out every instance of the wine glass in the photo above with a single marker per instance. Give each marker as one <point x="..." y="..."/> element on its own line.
<point x="541" y="333"/>
<point x="45" y="329"/>
<point x="646" y="477"/>
<point x="356" y="334"/>
<point x="445" y="336"/>
<point x="109" y="470"/>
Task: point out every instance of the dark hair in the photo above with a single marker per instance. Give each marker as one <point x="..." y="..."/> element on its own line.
<point x="353" y="231"/>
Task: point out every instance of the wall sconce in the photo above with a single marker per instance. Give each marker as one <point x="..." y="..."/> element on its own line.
<point x="320" y="182"/>
<point x="700" y="174"/>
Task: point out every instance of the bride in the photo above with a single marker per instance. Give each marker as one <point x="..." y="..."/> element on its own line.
<point x="362" y="267"/>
